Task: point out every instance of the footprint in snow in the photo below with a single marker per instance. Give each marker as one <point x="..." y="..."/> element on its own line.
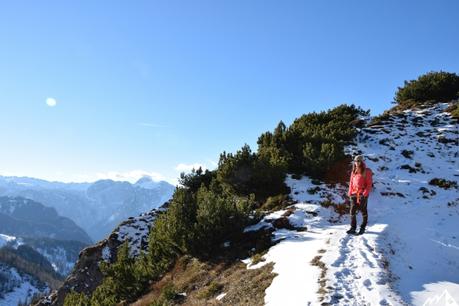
<point x="367" y="284"/>
<point x="349" y="295"/>
<point x="336" y="297"/>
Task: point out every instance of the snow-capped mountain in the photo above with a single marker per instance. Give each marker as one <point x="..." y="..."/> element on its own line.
<point x="7" y="239"/>
<point x="97" y="207"/>
<point x="148" y="183"/>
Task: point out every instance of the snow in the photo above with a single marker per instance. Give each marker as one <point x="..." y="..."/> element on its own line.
<point x="409" y="254"/>
<point x="357" y="270"/>
<point x="430" y="296"/>
<point x="26" y="289"/>
<point x="291" y="256"/>
<point x="22" y="287"/>
<point x="220" y="296"/>
<point x="136" y="231"/>
<point x="106" y="255"/>
<point x="58" y="258"/>
<point x="264" y="222"/>
<point x="5" y="239"/>
<point x="147" y="182"/>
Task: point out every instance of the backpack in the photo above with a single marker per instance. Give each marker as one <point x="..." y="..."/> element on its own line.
<point x="365" y="175"/>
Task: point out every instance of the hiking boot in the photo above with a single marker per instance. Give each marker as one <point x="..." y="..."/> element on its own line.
<point x="351" y="231"/>
<point x="361" y="231"/>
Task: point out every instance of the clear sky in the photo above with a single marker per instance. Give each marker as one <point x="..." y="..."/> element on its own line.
<point x="96" y="89"/>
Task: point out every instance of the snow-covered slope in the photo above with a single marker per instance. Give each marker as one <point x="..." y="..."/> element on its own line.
<point x="61" y="254"/>
<point x="6" y="240"/>
<point x="409" y="254"/>
<point x="18" y="287"/>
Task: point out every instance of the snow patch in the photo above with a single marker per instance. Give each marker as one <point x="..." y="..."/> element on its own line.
<point x="106" y="255"/>
<point x="220" y="296"/>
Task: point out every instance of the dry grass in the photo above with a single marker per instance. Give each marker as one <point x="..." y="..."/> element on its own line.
<point x="316" y="261"/>
<point x="453" y="109"/>
<point x="275" y="203"/>
<point x="340" y="209"/>
<point x="202" y="282"/>
<point x="198" y="281"/>
<point x="257" y="258"/>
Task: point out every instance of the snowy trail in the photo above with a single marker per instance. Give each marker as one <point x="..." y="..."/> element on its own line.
<point x="359" y="268"/>
<point x="357" y="274"/>
<point x="409" y="254"/>
<point x="355" y="270"/>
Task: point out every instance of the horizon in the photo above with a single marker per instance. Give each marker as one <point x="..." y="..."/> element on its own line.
<point x="118" y="91"/>
<point x="115" y="179"/>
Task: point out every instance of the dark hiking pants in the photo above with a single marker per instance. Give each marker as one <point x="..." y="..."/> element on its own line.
<point x="362" y="206"/>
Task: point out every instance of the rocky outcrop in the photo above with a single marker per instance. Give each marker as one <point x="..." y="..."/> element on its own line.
<point x="86" y="275"/>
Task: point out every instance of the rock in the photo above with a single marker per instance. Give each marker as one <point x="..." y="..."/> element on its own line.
<point x="86" y="275"/>
<point x="283" y="222"/>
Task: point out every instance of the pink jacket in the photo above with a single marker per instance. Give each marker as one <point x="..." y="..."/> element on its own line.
<point x="361" y="184"/>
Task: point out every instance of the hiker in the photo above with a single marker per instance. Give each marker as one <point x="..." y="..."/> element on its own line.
<point x="359" y="188"/>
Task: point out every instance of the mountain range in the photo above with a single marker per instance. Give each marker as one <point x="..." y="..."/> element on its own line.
<point x="96" y="207"/>
<point x="40" y="233"/>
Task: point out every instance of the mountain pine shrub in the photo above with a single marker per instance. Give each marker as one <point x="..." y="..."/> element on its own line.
<point x="77" y="299"/>
<point x="433" y="86"/>
<point x="247" y="172"/>
<point x="313" y="142"/>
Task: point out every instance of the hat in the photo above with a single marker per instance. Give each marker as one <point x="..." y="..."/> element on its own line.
<point x="358" y="158"/>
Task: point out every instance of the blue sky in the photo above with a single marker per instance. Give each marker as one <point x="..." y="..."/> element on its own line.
<point x="156" y="86"/>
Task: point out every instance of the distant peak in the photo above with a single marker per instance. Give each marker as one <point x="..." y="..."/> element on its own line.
<point x="145" y="179"/>
<point x="147" y="182"/>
